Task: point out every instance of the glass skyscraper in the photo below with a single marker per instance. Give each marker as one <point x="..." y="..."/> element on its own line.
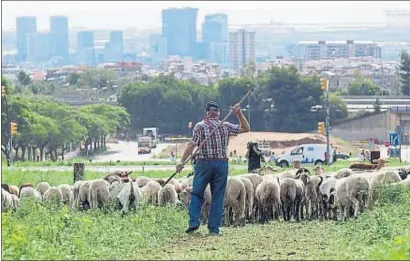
<point x="179" y="28"/>
<point x="59" y="37"/>
<point x="25" y="25"/>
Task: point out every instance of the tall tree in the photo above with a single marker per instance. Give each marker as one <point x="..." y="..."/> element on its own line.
<point x="404" y="73"/>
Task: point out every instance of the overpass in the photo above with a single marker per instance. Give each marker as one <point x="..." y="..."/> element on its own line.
<point x="366" y="103"/>
<point x="376" y="126"/>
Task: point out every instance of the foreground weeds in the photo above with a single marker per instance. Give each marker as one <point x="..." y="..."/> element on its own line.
<point x="37" y="231"/>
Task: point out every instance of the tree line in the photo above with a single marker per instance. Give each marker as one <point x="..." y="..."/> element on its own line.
<point x="283" y="100"/>
<point x="49" y="126"/>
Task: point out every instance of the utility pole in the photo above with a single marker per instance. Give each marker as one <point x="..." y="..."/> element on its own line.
<point x="324" y="83"/>
<point x="249" y="108"/>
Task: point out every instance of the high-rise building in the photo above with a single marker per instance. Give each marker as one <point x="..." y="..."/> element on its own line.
<point x="241" y="48"/>
<point x="59" y="37"/>
<point x="114" y="49"/>
<point x="158" y="47"/>
<point x="24" y="26"/>
<point x="215" y="37"/>
<point x="85" y="52"/>
<point x="179" y="28"/>
<point x="38" y="47"/>
<point x="316" y="50"/>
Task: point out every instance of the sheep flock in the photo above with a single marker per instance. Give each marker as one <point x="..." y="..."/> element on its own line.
<point x="267" y="194"/>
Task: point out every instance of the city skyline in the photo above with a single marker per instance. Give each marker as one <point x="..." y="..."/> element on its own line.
<point x="147" y="15"/>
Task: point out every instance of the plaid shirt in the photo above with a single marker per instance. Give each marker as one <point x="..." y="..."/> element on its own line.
<point x="215" y="146"/>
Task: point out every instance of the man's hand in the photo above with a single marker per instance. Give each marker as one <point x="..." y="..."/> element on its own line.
<point x="236" y="109"/>
<point x="180" y="167"/>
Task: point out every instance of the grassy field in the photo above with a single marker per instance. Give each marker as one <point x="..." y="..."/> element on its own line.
<point x="37" y="231"/>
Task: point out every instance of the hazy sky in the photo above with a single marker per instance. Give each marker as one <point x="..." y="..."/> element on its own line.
<point x="147" y="15"/>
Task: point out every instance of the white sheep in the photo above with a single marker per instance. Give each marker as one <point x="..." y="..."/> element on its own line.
<point x="268" y="199"/>
<point x="68" y="197"/>
<point x="83" y="201"/>
<point x="255" y="180"/>
<point x="287" y="196"/>
<point x="234" y="202"/>
<point x="313" y="197"/>
<point x="53" y="194"/>
<point x="43" y="187"/>
<point x="328" y="185"/>
<point x="129" y="197"/>
<point x="350" y="192"/>
<point x="342" y="173"/>
<point x="8" y="201"/>
<point x="150" y="192"/>
<point x="29" y="192"/>
<point x="301" y="179"/>
<point x="167" y="195"/>
<point x="98" y="194"/>
<point x="185" y="197"/>
<point x="380" y="178"/>
<point x="250" y="196"/>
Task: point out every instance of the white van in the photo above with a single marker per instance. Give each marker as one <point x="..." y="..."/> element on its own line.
<point x="306" y="154"/>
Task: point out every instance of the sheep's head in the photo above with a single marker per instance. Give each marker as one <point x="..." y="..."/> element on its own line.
<point x="160" y="181"/>
<point x="303" y="174"/>
<point x="185" y="196"/>
<point x="331" y="200"/>
<point x="318" y="170"/>
<point x="5" y="187"/>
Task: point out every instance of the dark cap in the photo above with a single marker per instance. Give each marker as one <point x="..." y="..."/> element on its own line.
<point x="213" y="105"/>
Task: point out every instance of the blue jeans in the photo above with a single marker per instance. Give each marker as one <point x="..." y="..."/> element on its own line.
<point x="215" y="173"/>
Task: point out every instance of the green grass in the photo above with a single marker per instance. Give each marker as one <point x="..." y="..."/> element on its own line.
<point x="18" y="177"/>
<point x="86" y="161"/>
<point x="36" y="231"/>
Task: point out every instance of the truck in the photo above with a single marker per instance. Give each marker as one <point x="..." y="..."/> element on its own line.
<point x="153" y="133"/>
<point x="144" y="144"/>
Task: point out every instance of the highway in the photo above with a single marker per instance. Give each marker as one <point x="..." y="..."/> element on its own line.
<point x="127" y="151"/>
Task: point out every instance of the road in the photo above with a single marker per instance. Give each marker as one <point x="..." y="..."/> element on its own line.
<point x="127" y="151"/>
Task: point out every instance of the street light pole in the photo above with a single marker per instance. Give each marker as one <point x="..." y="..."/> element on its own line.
<point x="249" y="108"/>
<point x="327" y="124"/>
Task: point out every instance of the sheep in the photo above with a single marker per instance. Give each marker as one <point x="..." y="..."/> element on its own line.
<point x="53" y="194"/>
<point x="350" y="191"/>
<point x="142" y="181"/>
<point x="342" y="173"/>
<point x="286" y="174"/>
<point x="29" y="192"/>
<point x="43" y="187"/>
<point x="14" y="190"/>
<point x="267" y="170"/>
<point x="186" y="182"/>
<point x="250" y="195"/>
<point x="287" y="196"/>
<point x="268" y="199"/>
<point x="313" y="198"/>
<point x="68" y="197"/>
<point x="150" y="192"/>
<point x="234" y="202"/>
<point x="301" y="179"/>
<point x="325" y="189"/>
<point x="185" y="197"/>
<point x="129" y="197"/>
<point x="83" y="201"/>
<point x="98" y="194"/>
<point x="175" y="183"/>
<point x="76" y="189"/>
<point x="380" y="178"/>
<point x="8" y="200"/>
<point x="167" y="195"/>
<point x="255" y="179"/>
<point x="404" y="173"/>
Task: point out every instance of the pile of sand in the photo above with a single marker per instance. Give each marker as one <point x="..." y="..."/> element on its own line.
<point x="278" y="141"/>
